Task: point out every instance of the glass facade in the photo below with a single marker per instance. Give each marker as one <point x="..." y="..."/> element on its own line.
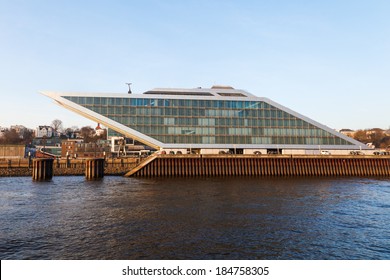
<point x="208" y="121"/>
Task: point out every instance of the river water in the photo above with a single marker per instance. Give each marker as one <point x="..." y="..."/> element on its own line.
<point x="195" y="218"/>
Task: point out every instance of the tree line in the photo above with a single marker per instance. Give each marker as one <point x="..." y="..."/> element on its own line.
<point x="87" y="133"/>
<point x="12" y="137"/>
<point x="375" y="136"/>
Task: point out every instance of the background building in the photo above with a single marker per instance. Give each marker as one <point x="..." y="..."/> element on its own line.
<point x="44" y="131"/>
<point x="76" y="148"/>
<point x="348" y="132"/>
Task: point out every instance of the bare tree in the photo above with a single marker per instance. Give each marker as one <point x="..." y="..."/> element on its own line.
<point x="27" y="136"/>
<point x="385" y="143"/>
<point x="87" y="133"/>
<point x="69" y="132"/>
<point x="361" y="135"/>
<point x="11" y="137"/>
<point x="57" y="125"/>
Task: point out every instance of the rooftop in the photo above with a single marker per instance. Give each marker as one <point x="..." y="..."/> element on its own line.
<point x="216" y="91"/>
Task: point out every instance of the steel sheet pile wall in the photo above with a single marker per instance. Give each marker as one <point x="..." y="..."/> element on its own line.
<point x="266" y="166"/>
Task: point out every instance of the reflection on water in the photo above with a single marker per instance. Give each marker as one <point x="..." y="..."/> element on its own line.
<point x="195" y="218"/>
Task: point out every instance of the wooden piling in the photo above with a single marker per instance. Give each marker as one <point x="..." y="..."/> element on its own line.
<point x="94" y="168"/>
<point x="42" y="169"/>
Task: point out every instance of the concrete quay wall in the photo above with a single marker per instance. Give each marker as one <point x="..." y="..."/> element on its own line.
<point x="11" y="151"/>
<point x="24" y="171"/>
<point x="74" y="167"/>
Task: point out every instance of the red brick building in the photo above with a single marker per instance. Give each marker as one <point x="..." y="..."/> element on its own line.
<point x="76" y="148"/>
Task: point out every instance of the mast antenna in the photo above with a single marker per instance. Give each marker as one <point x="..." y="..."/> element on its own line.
<point x="129" y="92"/>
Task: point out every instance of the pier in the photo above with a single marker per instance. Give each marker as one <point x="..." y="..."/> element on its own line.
<point x="249" y="165"/>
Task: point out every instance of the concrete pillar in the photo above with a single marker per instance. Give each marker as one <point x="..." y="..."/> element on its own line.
<point x="94" y="168"/>
<point x="42" y="169"/>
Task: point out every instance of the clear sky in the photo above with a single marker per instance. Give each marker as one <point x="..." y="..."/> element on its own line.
<point x="328" y="60"/>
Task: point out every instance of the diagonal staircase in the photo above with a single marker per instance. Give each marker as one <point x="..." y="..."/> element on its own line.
<point x="141" y="165"/>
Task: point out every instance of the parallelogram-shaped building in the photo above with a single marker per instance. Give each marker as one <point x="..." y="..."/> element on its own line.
<point x="208" y="120"/>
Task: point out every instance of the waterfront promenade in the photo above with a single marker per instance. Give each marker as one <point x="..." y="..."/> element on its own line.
<point x="20" y="167"/>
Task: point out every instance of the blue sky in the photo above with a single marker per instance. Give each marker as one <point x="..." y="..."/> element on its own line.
<point x="328" y="60"/>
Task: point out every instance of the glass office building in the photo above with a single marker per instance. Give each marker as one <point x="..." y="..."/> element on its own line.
<point x="214" y="118"/>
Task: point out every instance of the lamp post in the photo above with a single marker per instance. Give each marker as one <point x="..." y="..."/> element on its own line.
<point x="29" y="159"/>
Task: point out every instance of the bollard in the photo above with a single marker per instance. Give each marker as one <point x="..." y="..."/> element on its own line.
<point x="67" y="161"/>
<point x="94" y="168"/>
<point x="42" y="169"/>
<point x="29" y="160"/>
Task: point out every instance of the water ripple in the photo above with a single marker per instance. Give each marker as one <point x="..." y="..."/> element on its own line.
<point x="195" y="218"/>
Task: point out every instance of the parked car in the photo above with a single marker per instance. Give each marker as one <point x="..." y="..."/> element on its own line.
<point x="381" y="153"/>
<point x="357" y="153"/>
<point x="327" y="153"/>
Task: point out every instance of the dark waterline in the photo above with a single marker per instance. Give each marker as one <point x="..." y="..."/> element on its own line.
<point x="195" y="218"/>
